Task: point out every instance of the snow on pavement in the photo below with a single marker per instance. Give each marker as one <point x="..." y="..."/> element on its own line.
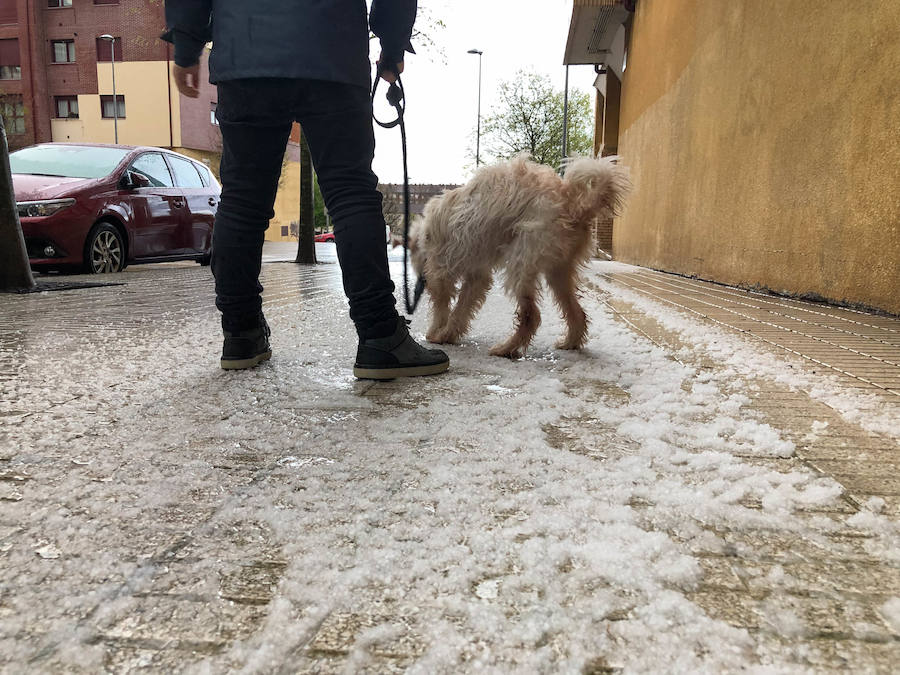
<point x="543" y="515"/>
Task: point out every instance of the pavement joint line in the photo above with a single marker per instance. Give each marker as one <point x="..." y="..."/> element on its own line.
<point x="759" y="337"/>
<point x="784" y="328"/>
<point x="766" y="298"/>
<point x="791" y="318"/>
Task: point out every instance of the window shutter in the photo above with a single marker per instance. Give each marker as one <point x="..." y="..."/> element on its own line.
<point x="9" y="53"/>
<point x="8" y="12"/>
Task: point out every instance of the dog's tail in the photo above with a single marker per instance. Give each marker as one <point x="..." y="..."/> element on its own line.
<point x="597" y="187"/>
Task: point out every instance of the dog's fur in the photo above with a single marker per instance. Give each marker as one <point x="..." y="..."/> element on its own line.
<point x="521" y="217"/>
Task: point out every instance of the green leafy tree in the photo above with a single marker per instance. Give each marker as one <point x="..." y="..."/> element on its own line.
<point x="529" y="118"/>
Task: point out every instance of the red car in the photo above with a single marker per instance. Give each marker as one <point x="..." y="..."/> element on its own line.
<point x="101" y="207"/>
<point x="325" y="236"/>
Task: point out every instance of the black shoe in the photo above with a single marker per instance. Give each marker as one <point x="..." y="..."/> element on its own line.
<point x="397" y="355"/>
<point x="246" y="348"/>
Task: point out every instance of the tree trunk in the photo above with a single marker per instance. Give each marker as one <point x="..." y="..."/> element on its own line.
<point x="15" y="272"/>
<point x="306" y="246"/>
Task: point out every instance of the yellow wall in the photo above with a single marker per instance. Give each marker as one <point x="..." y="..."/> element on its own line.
<point x="762" y="139"/>
<point x="287" y="202"/>
<point x="146" y="121"/>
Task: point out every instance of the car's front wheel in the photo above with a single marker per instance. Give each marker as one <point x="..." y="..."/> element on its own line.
<point x="104" y="250"/>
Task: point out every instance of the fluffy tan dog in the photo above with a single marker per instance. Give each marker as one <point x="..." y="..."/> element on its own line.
<point x="523" y="218"/>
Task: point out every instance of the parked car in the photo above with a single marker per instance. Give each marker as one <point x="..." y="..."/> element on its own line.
<point x="325" y="236"/>
<point x="98" y="207"/>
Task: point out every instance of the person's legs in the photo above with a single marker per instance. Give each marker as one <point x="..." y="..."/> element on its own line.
<point x="255" y="120"/>
<point x="337" y="121"/>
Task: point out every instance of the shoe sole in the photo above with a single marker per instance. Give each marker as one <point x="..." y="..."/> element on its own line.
<point x="392" y="373"/>
<point x="241" y="364"/>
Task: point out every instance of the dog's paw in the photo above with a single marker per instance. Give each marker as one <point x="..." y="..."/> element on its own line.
<point x="443" y="337"/>
<point x="507" y="351"/>
<point x="566" y="343"/>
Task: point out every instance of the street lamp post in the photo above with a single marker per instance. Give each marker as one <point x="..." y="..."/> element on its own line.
<point x="112" y="52"/>
<point x="478" y="132"/>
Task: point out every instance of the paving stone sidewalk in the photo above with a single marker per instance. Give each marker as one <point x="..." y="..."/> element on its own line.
<point x="713" y="485"/>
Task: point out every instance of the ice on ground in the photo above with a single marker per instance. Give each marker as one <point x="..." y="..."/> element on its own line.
<point x="537" y="515"/>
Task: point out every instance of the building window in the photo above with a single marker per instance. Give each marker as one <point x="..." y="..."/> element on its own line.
<point x="10" y="65"/>
<point x="106" y="2"/>
<point x="13" y="111"/>
<point x="107" y="109"/>
<point x="104" y="49"/>
<point x="284" y="231"/>
<point x="63" y="51"/>
<point x="212" y="114"/>
<point x="59" y="3"/>
<point x="67" y="107"/>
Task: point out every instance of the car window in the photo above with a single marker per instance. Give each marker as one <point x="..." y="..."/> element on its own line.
<point x="72" y="161"/>
<point x="186" y="175"/>
<point x="153" y="166"/>
<point x="204" y="174"/>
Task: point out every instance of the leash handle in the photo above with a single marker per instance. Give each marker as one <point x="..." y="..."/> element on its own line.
<point x="396" y="96"/>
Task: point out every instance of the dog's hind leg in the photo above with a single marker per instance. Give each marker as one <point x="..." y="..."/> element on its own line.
<point x="471" y="297"/>
<point x="562" y="283"/>
<point x="441" y="291"/>
<point x="528" y="318"/>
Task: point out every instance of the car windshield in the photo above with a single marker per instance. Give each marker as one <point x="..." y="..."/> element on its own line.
<point x="70" y="161"/>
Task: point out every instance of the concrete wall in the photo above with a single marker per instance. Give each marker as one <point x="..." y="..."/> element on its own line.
<point x="763" y="142"/>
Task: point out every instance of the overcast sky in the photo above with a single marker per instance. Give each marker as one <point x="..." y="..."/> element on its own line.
<point x="442" y="89"/>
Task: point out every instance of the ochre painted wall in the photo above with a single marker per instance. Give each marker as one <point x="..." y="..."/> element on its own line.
<point x="287" y="202"/>
<point x="144" y="84"/>
<point x="763" y="139"/>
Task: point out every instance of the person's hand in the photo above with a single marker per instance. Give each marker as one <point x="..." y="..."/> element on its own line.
<point x="187" y="80"/>
<point x="388" y="75"/>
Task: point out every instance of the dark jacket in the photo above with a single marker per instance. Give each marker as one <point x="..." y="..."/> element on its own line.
<point x="315" y="39"/>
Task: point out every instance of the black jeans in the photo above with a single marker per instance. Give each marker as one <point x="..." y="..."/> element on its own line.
<point x="255" y="117"/>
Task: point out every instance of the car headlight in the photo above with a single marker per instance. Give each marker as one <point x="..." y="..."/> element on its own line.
<point x="45" y="207"/>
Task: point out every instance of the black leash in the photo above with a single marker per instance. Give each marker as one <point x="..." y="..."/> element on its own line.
<point x="396" y="96"/>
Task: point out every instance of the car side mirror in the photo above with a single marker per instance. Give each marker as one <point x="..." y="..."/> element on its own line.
<point x="132" y="180"/>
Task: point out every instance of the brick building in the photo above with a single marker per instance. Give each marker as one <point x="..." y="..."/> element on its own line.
<point x="56" y="76"/>
<point x="56" y="84"/>
<point x="419" y="194"/>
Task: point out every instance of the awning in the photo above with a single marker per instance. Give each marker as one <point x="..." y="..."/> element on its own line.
<point x="593" y="30"/>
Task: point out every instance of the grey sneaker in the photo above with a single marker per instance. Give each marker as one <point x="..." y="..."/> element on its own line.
<point x="397" y="355"/>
